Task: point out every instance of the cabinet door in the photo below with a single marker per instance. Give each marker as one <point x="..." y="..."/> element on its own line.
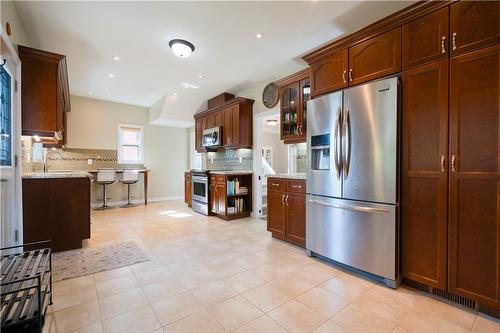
<point x="230" y="132"/>
<point x="213" y="198"/>
<point x="187" y="188"/>
<point x="424" y="190"/>
<point x="426" y="39"/>
<point x="474" y="225"/>
<point x="235" y="133"/>
<point x="289" y="106"/>
<point x="296" y="218"/>
<point x="305" y="95"/>
<point x="473" y="25"/>
<point x="329" y="74"/>
<point x="375" y="58"/>
<point x="221" y="198"/>
<point x="198" y="135"/>
<point x="276" y="213"/>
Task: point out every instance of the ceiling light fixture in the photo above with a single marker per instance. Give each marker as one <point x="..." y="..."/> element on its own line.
<point x="116" y="58"/>
<point x="111" y="75"/>
<point x="272" y="122"/>
<point x="259" y="35"/>
<point x="200" y="76"/>
<point x="175" y="94"/>
<point x="90" y="92"/>
<point x="189" y="85"/>
<point x="181" y="48"/>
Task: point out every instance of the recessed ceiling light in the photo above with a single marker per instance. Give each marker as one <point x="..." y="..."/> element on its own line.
<point x="106" y="88"/>
<point x="200" y="76"/>
<point x="90" y="92"/>
<point x="111" y="75"/>
<point x="189" y="85"/>
<point x="175" y="94"/>
<point x="259" y="35"/>
<point x="116" y="58"/>
<point x="181" y="48"/>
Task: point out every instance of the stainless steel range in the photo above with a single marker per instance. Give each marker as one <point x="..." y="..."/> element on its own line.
<point x="352" y="201"/>
<point x="200" y="195"/>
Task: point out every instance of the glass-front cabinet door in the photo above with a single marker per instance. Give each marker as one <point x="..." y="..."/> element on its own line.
<point x="305" y="95"/>
<point x="289" y="111"/>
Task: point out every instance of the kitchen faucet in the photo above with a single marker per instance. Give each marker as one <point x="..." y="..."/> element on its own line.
<point x="45" y="159"/>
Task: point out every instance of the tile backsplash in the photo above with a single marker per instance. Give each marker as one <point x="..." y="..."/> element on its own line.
<point x="239" y="159"/>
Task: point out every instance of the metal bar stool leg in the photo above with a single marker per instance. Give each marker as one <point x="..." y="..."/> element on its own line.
<point x="128" y="204"/>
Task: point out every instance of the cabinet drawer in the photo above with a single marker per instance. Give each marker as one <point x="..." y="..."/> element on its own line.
<point x="221" y="179"/>
<point x="277" y="185"/>
<point x="296" y="186"/>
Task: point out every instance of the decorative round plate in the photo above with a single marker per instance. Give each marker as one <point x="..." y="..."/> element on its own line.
<point x="270" y="95"/>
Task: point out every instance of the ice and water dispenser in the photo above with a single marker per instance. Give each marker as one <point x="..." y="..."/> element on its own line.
<point x="320" y="151"/>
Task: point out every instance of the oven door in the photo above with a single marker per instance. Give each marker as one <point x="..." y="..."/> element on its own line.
<point x="200" y="188"/>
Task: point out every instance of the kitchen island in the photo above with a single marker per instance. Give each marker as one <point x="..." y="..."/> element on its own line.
<point x="56" y="207"/>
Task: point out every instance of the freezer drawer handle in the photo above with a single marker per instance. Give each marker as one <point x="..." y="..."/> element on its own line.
<point x="362" y="209"/>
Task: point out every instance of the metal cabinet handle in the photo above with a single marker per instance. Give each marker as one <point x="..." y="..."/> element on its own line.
<point x="336" y="156"/>
<point x="443" y="41"/>
<point x="355" y="208"/>
<point x="275" y="184"/>
<point x="442" y="163"/>
<point x="454" y="41"/>
<point x="343" y="76"/>
<point x="4" y="180"/>
<point x="283" y="199"/>
<point x="453" y="160"/>
<point x="296" y="186"/>
<point x="350" y="75"/>
<point x="286" y="199"/>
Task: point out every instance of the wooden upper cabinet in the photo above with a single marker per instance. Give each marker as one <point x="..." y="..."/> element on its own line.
<point x="424" y="186"/>
<point x="329" y="74"/>
<point x="44" y="93"/>
<point x="304" y="96"/>
<point x="474" y="223"/>
<point x="426" y="39"/>
<point x="473" y="25"/>
<point x="375" y="58"/>
<point x="289" y="111"/>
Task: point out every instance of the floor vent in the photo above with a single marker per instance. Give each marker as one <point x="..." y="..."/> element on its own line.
<point x="454" y="298"/>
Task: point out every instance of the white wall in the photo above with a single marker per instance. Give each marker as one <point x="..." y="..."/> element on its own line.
<point x="93" y="124"/>
<point x="9" y="14"/>
<point x="280" y="151"/>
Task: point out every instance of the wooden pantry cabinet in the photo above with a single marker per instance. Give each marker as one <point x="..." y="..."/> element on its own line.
<point x="286" y="209"/>
<point x="44" y="93"/>
<point x="235" y="117"/>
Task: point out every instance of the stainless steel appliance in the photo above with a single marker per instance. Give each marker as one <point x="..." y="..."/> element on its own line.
<point x="352" y="178"/>
<point x="199" y="187"/>
<point x="212" y="137"/>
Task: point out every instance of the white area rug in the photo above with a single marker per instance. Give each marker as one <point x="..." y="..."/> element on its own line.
<point x="75" y="263"/>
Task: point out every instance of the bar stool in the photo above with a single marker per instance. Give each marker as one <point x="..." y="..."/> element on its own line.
<point x="130" y="177"/>
<point x="105" y="177"/>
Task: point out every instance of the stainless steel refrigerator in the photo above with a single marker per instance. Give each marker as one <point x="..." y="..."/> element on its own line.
<point x="352" y="178"/>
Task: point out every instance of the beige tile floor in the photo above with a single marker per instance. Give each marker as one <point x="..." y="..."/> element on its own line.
<point x="209" y="275"/>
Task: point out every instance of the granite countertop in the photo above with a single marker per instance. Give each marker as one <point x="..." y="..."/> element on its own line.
<point x="233" y="172"/>
<point x="288" y="175"/>
<point x="61" y="174"/>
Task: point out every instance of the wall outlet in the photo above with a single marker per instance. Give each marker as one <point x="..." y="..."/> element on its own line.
<point x="89" y="161"/>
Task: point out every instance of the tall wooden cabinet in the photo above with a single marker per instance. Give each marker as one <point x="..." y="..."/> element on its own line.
<point x="451" y="171"/>
<point x="474" y="222"/>
<point x="425" y="174"/>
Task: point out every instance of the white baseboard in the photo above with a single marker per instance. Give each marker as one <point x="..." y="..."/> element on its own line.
<point x="137" y="201"/>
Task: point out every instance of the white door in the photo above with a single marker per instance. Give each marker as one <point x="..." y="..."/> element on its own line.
<point x="10" y="182"/>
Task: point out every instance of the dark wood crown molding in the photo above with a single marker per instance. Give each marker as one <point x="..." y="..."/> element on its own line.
<point x="235" y="100"/>
<point x="300" y="75"/>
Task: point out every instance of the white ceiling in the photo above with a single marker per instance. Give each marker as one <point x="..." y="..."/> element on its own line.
<point x="227" y="53"/>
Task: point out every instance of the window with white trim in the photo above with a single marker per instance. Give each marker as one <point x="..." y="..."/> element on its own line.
<point x="130" y="144"/>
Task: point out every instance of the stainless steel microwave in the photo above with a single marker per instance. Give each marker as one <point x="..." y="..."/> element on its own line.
<point x="212" y="137"/>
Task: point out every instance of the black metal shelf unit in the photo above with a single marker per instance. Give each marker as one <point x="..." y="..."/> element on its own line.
<point x="26" y="286"/>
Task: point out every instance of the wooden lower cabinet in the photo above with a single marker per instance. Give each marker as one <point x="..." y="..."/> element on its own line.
<point x="474" y="222"/>
<point x="221" y="203"/>
<point x="187" y="188"/>
<point x="286" y="210"/>
<point x="57" y="209"/>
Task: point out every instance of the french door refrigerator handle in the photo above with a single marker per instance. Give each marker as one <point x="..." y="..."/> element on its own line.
<point x="356" y="208"/>
<point x="336" y="142"/>
<point x="346" y="143"/>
